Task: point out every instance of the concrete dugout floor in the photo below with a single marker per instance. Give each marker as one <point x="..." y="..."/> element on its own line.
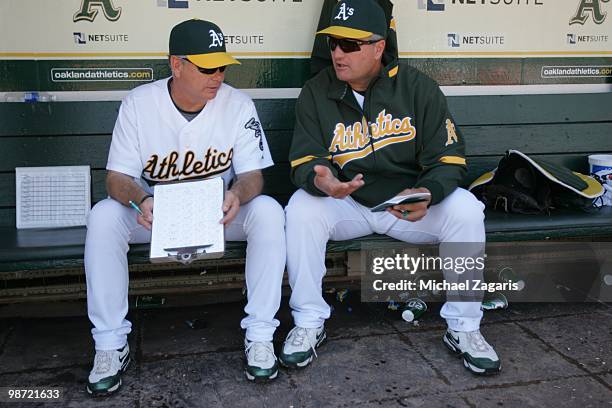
<point x="553" y="355"/>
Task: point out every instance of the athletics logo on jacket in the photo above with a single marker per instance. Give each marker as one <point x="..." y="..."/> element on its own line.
<point x="451" y="133"/>
<point x="352" y="142"/>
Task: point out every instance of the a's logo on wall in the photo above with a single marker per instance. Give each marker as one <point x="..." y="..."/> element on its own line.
<point x="79" y="38"/>
<point x="89" y="10"/>
<point x="217" y="39"/>
<point x="431" y="5"/>
<point x="173" y="4"/>
<point x="453" y="40"/>
<point x="588" y="8"/>
<point x="571" y="39"/>
<point x="344" y="12"/>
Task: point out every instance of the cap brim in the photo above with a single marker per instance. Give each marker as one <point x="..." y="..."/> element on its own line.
<point x="346" y="32"/>
<point x="212" y="60"/>
<point x="594" y="189"/>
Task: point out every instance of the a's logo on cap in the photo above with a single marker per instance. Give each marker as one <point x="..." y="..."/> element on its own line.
<point x="217" y="39"/>
<point x="344" y="12"/>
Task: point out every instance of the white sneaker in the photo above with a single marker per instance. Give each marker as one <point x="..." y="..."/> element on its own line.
<point x="262" y="364"/>
<point x="478" y="355"/>
<point x="105" y="376"/>
<point x="299" y="348"/>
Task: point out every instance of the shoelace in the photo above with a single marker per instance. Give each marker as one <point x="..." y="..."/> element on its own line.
<point x="298" y="335"/>
<point x="478" y="341"/>
<point x="261" y="350"/>
<point x="103" y="361"/>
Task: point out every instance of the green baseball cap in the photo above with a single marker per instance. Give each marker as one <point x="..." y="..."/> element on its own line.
<point x="201" y="42"/>
<point x="357" y="19"/>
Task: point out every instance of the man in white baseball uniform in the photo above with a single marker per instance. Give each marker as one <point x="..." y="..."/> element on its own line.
<point x="185" y="127"/>
<point x="368" y="129"/>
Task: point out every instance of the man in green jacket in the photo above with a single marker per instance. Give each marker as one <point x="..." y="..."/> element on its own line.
<point x="369" y="129"/>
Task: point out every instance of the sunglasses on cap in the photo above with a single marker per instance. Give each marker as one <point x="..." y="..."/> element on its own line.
<point x="347" y="46"/>
<point x="206" y="71"/>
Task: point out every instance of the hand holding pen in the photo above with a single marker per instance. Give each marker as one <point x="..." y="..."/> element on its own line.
<point x="145" y="211"/>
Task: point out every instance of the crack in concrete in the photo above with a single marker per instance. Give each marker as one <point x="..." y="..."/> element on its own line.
<point x="52" y="369"/>
<point x="468" y="402"/>
<point x="7" y="336"/>
<point x="406" y="340"/>
<point x="165" y="357"/>
<point x="138" y="368"/>
<point x="567" y="358"/>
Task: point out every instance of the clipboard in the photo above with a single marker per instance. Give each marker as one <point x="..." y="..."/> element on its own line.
<point x="186" y="219"/>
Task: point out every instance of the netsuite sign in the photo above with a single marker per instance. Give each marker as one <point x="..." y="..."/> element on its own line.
<point x="440" y="5"/>
<point x="456" y="40"/>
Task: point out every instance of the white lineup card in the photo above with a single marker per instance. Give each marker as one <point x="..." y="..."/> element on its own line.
<point x="186" y="219"/>
<point x="52" y="197"/>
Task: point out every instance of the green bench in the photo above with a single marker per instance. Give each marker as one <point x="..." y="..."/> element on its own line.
<point x="562" y="128"/>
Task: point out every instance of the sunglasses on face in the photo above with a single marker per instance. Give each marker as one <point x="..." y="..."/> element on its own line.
<point x="207" y="71"/>
<point x="347" y="46"/>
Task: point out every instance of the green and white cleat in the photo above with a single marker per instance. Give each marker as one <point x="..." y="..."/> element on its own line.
<point x="262" y="364"/>
<point x="478" y="355"/>
<point x="105" y="376"/>
<point x="299" y="348"/>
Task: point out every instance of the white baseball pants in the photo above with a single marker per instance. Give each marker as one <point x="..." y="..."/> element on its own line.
<point x="311" y="221"/>
<point x="111" y="226"/>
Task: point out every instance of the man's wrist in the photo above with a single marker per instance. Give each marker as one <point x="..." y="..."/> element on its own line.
<point x="313" y="188"/>
<point x="235" y="192"/>
<point x="142" y="200"/>
<point x="435" y="189"/>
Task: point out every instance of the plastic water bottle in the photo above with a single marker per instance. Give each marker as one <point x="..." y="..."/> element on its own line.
<point x="508" y="275"/>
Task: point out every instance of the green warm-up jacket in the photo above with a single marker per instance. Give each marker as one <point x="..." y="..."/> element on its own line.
<point x="403" y="138"/>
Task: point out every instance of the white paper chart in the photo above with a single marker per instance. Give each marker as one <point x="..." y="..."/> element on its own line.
<point x="48" y="197"/>
<point x="186" y="218"/>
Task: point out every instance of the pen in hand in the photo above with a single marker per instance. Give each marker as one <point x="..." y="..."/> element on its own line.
<point x="136" y="207"/>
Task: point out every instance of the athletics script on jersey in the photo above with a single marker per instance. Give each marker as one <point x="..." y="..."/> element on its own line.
<point x="186" y="221"/>
<point x="170" y="167"/>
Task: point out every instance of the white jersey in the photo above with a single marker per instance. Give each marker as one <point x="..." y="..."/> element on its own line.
<point x="153" y="140"/>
